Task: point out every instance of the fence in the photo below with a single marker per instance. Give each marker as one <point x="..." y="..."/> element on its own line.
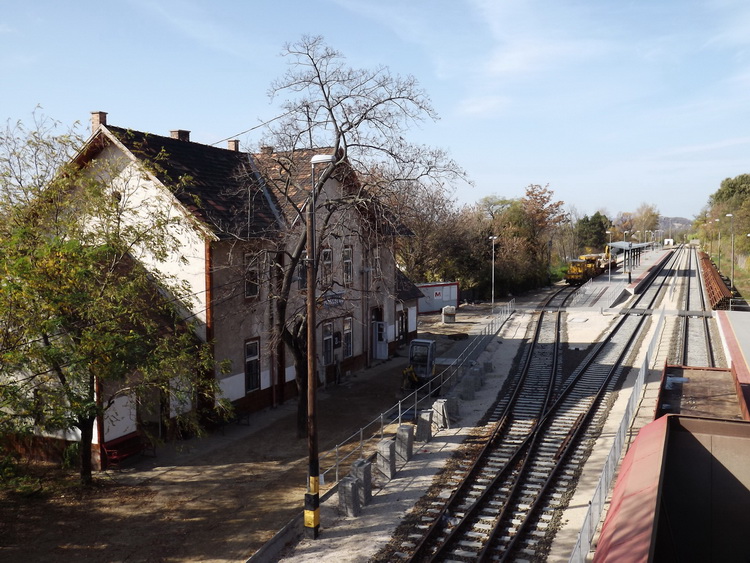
<point x="596" y="505"/>
<point x="363" y="443"/>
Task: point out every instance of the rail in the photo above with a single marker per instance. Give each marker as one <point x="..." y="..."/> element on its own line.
<point x="363" y="443"/>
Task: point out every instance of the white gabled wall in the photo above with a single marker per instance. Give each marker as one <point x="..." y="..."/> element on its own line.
<point x="120" y="418"/>
<point x="144" y="201"/>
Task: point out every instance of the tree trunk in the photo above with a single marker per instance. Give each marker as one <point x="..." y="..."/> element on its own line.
<point x="86" y="427"/>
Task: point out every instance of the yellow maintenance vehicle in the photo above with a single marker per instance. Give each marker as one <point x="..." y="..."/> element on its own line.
<point x="587" y="266"/>
<point x="421" y="368"/>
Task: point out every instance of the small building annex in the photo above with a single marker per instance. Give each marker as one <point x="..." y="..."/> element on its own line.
<point x="242" y="257"/>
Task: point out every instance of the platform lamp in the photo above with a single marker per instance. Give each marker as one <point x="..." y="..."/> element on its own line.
<point x="610" y="256"/>
<point x="493" y="239"/>
<point x="731" y="218"/>
<point x="718" y="267"/>
<point x="312" y="497"/>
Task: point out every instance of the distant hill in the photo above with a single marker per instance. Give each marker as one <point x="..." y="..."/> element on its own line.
<point x="678" y="225"/>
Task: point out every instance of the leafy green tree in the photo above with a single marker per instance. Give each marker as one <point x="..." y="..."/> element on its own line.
<point x="82" y="322"/>
<point x="732" y="191"/>
<point x="592" y="232"/>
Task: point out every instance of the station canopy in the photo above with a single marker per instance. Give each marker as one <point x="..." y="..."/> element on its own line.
<point x="623" y="245"/>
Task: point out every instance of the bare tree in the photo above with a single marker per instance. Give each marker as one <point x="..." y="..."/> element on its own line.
<point x="646" y="218"/>
<point x="361" y="118"/>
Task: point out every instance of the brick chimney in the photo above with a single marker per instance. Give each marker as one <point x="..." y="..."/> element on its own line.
<point x="180" y="135"/>
<point x="98" y="118"/>
<point x="233" y="145"/>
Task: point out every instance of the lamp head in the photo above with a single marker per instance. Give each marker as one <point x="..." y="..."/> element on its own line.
<point x="321" y="158"/>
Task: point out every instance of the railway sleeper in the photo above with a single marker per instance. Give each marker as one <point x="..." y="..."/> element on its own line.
<point x="546" y="514"/>
<point x="466" y="553"/>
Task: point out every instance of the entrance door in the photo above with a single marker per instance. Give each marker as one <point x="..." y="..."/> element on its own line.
<point x="379" y="341"/>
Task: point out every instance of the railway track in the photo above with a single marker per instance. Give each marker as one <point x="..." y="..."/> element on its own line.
<point x="502" y="503"/>
<point x="695" y="338"/>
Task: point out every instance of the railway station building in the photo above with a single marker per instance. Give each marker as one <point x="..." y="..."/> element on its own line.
<point x="240" y="220"/>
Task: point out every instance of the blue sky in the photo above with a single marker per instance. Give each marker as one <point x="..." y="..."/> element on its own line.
<point x="613" y="103"/>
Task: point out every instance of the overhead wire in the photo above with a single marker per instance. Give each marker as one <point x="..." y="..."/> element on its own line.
<point x="252" y="128"/>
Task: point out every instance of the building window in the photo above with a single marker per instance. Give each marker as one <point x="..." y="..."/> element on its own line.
<point x="326" y="263"/>
<point x="252" y="366"/>
<point x="346" y="260"/>
<point x="252" y="287"/>
<point x="328" y="343"/>
<point x="348" y="345"/>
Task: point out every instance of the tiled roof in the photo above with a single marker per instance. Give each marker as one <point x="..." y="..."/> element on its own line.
<point x="405" y="288"/>
<point x="217" y="185"/>
<point x="289" y="176"/>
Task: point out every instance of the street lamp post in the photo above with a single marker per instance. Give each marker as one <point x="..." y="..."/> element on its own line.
<point x="312" y="497"/>
<point x="718" y="242"/>
<point x="731" y="218"/>
<point x="493" y="239"/>
<point x="626" y="255"/>
<point x="610" y="258"/>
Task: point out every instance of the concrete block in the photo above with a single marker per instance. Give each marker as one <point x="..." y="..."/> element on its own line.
<point x="362" y="470"/>
<point x="349" y="496"/>
<point x="477" y="373"/>
<point x="453" y="406"/>
<point x="386" y="459"/>
<point x="440" y="413"/>
<point x="404" y="442"/>
<point x="424" y="426"/>
<point x="467" y="389"/>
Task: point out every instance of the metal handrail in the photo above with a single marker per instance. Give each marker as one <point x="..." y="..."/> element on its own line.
<point x="363" y="442"/>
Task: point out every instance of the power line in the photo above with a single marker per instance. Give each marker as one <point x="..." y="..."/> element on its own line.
<point x="252" y="128"/>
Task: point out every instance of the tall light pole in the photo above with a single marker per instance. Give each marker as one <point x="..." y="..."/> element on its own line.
<point x="718" y="243"/>
<point x="493" y="239"/>
<point x="312" y="497"/>
<point x="626" y="255"/>
<point x="610" y="257"/>
<point x="731" y="218"/>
